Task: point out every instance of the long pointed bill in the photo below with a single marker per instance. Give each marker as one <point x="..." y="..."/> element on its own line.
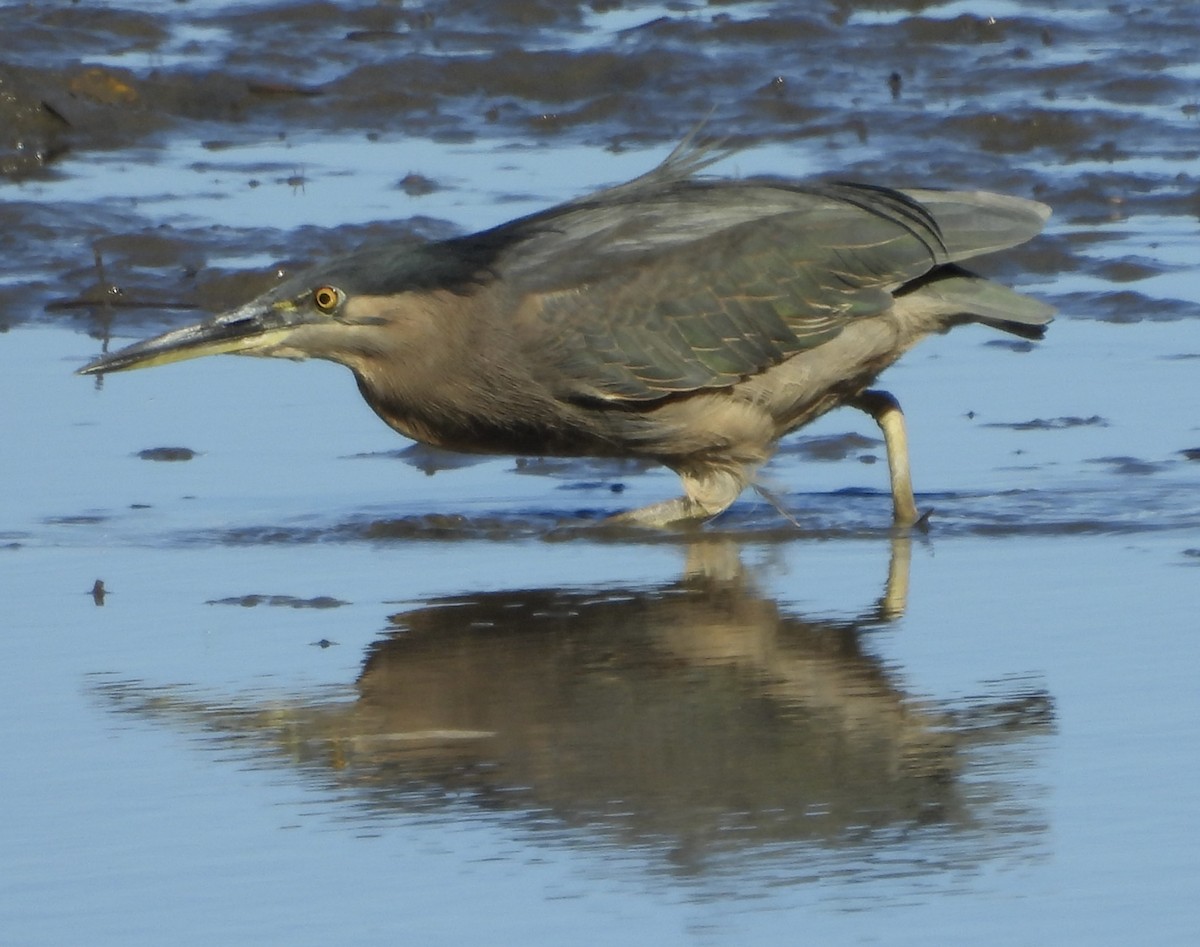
<point x="252" y="329"/>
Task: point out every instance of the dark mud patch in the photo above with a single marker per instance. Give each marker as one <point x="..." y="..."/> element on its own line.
<point x="589" y="525"/>
<point x="33" y="133"/>
<point x="167" y="454"/>
<point x="1126" y="307"/>
<point x="417" y="185"/>
<point x="586" y="485"/>
<point x="1050" y="424"/>
<point x="1130" y="466"/>
<point x="840" y="515"/>
<point x="78" y="519"/>
<point x="13" y="540"/>
<point x="280" y="601"/>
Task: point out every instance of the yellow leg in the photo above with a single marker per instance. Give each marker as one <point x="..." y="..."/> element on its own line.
<point x="885" y="409"/>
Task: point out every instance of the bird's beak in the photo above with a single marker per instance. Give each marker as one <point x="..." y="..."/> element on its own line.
<point x="257" y="328"/>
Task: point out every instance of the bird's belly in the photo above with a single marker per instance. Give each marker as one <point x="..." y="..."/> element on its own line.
<point x="740" y="422"/>
<point x="569" y="434"/>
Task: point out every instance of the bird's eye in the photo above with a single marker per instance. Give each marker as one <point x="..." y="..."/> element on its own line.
<point x="326" y="298"/>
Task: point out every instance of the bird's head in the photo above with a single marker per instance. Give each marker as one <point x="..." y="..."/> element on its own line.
<point x="313" y="315"/>
<point x="347" y="311"/>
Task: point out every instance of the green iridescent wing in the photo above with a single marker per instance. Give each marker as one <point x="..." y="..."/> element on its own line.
<point x="660" y="298"/>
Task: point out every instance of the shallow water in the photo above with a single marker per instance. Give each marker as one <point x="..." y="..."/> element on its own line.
<point x="334" y="688"/>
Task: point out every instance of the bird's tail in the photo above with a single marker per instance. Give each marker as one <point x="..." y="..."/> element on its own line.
<point x="965" y="297"/>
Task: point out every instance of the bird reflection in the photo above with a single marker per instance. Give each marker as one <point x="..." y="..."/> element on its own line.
<point x="697" y="716"/>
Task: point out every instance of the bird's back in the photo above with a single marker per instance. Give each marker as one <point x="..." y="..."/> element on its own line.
<point x="679" y="285"/>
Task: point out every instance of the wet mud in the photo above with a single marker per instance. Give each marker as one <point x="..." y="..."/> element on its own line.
<point x="1044" y="104"/>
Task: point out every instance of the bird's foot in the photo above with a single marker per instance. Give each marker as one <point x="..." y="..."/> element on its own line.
<point x="920" y="524"/>
<point x="681" y="511"/>
<point x="709" y="490"/>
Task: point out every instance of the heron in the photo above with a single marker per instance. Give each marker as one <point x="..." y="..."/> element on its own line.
<point x="679" y="318"/>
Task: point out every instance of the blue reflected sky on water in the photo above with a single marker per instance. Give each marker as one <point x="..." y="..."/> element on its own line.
<point x="143" y="820"/>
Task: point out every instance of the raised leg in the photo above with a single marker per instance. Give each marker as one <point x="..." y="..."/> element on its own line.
<point x="709" y="491"/>
<point x="885" y="409"/>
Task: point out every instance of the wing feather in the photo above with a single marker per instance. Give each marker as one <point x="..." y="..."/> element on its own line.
<point x="669" y="283"/>
<point x="676" y="302"/>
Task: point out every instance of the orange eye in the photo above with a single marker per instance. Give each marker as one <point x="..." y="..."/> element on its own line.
<point x="326" y="298"/>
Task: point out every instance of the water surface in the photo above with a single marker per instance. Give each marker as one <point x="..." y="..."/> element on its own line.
<point x="336" y="688"/>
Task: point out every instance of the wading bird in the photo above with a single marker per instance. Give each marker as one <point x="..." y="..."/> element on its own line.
<point x="679" y="318"/>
